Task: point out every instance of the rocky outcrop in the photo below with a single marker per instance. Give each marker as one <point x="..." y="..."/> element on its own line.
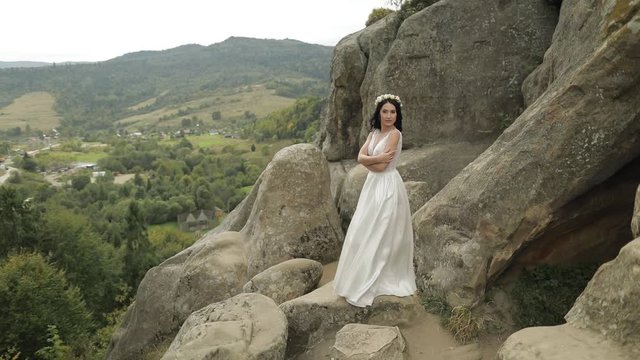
<point x="353" y="57"/>
<point x="246" y="326"/>
<point x="293" y="214"/>
<point x="558" y="343"/>
<point x="368" y="342"/>
<point x="286" y="281"/>
<point x="213" y="269"/>
<point x="457" y="65"/>
<point x="635" y="221"/>
<point x="602" y="324"/>
<point x="583" y="129"/>
<point x="321" y="312"/>
<point x="610" y="302"/>
<point x="338" y="172"/>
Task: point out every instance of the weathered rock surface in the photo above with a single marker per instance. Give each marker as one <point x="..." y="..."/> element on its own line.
<point x="213" y="269"/>
<point x="293" y="215"/>
<point x="457" y="65"/>
<point x="353" y="57"/>
<point x="610" y="302"/>
<point x="589" y="229"/>
<point x="246" y="326"/>
<point x="578" y="133"/>
<point x="369" y="342"/>
<point x="433" y="165"/>
<point x="287" y="280"/>
<point x="418" y="193"/>
<point x="338" y="172"/>
<point x="602" y="324"/>
<point x="635" y="221"/>
<point x="563" y="342"/>
<point x="315" y="315"/>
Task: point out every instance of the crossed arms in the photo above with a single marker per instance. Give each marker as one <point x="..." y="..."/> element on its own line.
<point x="378" y="163"/>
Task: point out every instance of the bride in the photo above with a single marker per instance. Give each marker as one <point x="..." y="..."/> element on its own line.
<point x="377" y="255"/>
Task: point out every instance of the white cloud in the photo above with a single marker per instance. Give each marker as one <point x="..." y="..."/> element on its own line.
<point x="89" y="30"/>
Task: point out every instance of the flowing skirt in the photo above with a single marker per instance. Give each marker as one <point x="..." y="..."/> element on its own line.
<point x="377" y="255"/>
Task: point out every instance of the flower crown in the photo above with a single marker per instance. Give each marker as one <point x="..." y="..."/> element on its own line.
<point x="384" y="97"/>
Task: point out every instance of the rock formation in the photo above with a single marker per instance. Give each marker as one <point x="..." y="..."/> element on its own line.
<point x="369" y="342"/>
<point x="556" y="186"/>
<point x="321" y="313"/>
<point x="603" y="323"/>
<point x="287" y="280"/>
<point x="293" y="215"/>
<point x="214" y="269"/>
<point x="246" y="326"/>
<point x="580" y="131"/>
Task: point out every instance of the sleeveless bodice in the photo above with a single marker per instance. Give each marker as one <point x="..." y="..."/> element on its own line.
<point x="377" y="145"/>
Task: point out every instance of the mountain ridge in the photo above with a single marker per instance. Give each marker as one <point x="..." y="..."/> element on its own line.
<point x="93" y="96"/>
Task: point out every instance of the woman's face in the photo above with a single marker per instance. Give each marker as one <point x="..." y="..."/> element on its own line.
<point x="388" y="115"/>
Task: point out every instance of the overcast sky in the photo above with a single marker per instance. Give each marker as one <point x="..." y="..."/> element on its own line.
<point x="90" y="30"/>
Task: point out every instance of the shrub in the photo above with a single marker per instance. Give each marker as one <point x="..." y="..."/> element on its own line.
<point x="459" y="320"/>
<point x="463" y="324"/>
<point x="377" y="14"/>
<point x="544" y="295"/>
<point x="411" y="7"/>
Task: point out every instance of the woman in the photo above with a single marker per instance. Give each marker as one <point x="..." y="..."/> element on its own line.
<point x="377" y="255"/>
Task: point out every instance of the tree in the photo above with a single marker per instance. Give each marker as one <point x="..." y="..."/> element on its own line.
<point x="216" y="115"/>
<point x="138" y="257"/>
<point x="28" y="164"/>
<point x="34" y="295"/>
<point x="57" y="350"/>
<point x="19" y="221"/>
<point x="377" y="14"/>
<point x="79" y="182"/>
<point x="89" y="263"/>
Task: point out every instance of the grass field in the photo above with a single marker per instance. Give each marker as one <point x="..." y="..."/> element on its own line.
<point x="34" y="109"/>
<point x="232" y="105"/>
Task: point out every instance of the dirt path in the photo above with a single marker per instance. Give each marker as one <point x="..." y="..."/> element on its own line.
<point x="425" y="338"/>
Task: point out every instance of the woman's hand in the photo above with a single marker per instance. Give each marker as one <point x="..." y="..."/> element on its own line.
<point x="386" y="156"/>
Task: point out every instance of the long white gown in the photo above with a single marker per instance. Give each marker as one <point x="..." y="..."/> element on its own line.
<point x="377" y="255"/>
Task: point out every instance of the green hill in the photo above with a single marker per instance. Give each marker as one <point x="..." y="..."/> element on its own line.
<point x="158" y="88"/>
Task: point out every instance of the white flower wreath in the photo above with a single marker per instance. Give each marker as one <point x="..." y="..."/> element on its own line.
<point x="384" y="97"/>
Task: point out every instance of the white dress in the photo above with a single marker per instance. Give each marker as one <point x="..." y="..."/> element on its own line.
<point x="377" y="255"/>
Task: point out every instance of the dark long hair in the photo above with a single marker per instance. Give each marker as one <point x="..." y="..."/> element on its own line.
<point x="375" y="119"/>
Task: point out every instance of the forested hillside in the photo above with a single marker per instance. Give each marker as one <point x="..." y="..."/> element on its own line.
<point x="170" y="135"/>
<point x="94" y="96"/>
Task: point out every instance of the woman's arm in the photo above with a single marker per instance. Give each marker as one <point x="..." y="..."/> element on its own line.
<point x="365" y="159"/>
<point x="388" y="154"/>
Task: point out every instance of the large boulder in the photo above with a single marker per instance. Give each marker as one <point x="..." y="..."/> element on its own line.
<point x="246" y="326"/>
<point x="287" y="280"/>
<point x="610" y="302"/>
<point x="212" y="270"/>
<point x="458" y="65"/>
<point x="563" y="342"/>
<point x="353" y="57"/>
<point x="293" y="214"/>
<point x="602" y="324"/>
<point x="321" y="313"/>
<point x="369" y="342"/>
<point x="578" y="133"/>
